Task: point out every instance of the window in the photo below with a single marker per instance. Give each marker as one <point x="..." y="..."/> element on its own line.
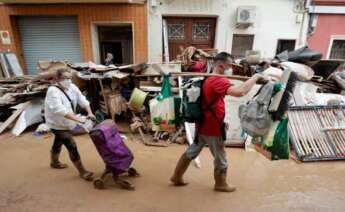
<point x="284" y="45"/>
<point x="201" y="31"/>
<point x="176" y="31"/>
<point x="240" y="44"/>
<point x="337" y="49"/>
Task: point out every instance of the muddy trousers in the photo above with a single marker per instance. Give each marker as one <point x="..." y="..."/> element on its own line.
<point x="64" y="137"/>
<point x="216" y="146"/>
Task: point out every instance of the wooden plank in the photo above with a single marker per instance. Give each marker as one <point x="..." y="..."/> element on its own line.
<point x="1" y="72"/>
<point x="14" y="116"/>
<point x="104" y="97"/>
<point x="4" y="66"/>
<point x="340" y="128"/>
<point x="156" y="89"/>
<point x="194" y="74"/>
<point x="13" y="64"/>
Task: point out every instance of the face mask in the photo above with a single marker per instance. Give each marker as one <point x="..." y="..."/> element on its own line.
<point x="228" y="72"/>
<point x="66" y="83"/>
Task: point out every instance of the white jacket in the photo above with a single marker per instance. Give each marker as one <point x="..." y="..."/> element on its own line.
<point x="56" y="106"/>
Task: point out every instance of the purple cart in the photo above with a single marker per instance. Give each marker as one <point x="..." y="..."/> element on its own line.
<point x="115" y="154"/>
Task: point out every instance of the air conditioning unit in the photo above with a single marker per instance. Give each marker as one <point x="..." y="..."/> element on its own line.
<point x="245" y="16"/>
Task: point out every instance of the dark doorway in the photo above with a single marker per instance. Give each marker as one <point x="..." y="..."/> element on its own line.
<point x="184" y="32"/>
<point x="241" y="44"/>
<point x="117" y="40"/>
<point x="285" y="45"/>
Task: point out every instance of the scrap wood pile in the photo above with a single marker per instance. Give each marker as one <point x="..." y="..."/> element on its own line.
<point x="18" y="90"/>
<point x="15" y="87"/>
<point x="20" y="95"/>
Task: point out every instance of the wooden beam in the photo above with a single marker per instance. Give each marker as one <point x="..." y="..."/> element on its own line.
<point x="15" y="115"/>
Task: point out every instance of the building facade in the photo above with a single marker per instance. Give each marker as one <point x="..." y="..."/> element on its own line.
<point x="76" y="32"/>
<point x="327" y="28"/>
<point x="269" y="26"/>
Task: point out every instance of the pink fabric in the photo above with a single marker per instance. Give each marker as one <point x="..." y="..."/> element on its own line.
<point x="198" y="66"/>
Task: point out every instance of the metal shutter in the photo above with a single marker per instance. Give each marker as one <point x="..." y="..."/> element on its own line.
<point x="44" y="38"/>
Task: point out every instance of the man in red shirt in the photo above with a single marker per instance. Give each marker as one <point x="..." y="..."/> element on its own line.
<point x="209" y="131"/>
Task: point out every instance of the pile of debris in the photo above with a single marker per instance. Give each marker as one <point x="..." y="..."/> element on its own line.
<point x="150" y="96"/>
<point x="318" y="95"/>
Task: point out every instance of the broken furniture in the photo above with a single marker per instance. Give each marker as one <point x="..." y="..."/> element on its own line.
<point x="110" y="100"/>
<point x="317" y="132"/>
<point x="150" y="78"/>
<point x="324" y="70"/>
<point x="19" y="109"/>
<point x="138" y="125"/>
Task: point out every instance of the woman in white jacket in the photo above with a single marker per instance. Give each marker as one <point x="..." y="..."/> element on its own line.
<point x="60" y="104"/>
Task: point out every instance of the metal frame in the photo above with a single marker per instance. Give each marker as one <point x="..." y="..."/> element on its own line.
<point x="313" y="158"/>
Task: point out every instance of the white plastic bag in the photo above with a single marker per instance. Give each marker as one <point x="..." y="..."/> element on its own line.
<point x="162" y="114"/>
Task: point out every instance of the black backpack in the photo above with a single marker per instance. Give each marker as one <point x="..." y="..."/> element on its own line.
<point x="192" y="108"/>
<point x="192" y="99"/>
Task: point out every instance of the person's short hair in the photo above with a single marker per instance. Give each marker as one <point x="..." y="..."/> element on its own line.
<point x="60" y="72"/>
<point x="223" y="57"/>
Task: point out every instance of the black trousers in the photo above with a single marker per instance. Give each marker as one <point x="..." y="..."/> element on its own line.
<point x="64" y="137"/>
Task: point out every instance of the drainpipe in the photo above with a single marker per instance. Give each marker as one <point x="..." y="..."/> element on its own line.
<point x="148" y="31"/>
<point x="303" y="11"/>
<point x="301" y="31"/>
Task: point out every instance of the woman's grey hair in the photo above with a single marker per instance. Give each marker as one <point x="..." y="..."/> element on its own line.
<point x="60" y="72"/>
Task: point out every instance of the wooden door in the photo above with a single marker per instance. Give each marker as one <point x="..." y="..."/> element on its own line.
<point x="184" y="32"/>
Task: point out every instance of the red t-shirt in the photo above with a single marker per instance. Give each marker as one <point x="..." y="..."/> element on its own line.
<point x="214" y="90"/>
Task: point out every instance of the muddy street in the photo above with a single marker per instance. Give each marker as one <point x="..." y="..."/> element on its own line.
<point x="27" y="183"/>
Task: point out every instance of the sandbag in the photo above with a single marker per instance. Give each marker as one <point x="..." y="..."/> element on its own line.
<point x="304" y="72"/>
